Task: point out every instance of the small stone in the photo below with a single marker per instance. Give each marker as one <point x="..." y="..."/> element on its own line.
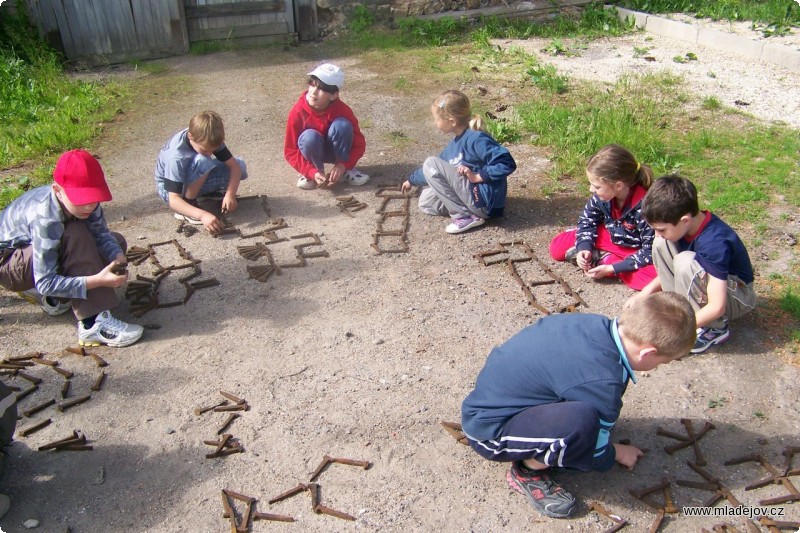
<point x="142" y="237"/>
<point x="376" y="342"/>
<point x="170" y="431"/>
<point x="348" y="334"/>
<point x="123" y="218"/>
<point x="30" y="523"/>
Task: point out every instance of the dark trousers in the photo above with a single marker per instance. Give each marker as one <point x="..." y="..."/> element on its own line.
<point x="560" y="434"/>
<point x="78" y="256"/>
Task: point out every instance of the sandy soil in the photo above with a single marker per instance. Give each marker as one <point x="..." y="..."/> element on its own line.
<point x="356" y="355"/>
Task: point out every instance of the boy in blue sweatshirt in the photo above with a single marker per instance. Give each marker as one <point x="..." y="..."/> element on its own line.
<point x="698" y="255"/>
<point x="549" y="397"/>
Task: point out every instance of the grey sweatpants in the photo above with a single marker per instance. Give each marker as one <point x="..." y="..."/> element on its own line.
<point x="680" y="272"/>
<point x="449" y="193"/>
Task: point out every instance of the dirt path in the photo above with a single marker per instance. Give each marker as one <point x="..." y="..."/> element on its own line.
<point x="356" y="355"/>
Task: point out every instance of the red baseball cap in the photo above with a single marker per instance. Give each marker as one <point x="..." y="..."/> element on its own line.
<point x="81" y="177"/>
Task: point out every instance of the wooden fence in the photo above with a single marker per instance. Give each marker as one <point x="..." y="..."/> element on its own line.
<point x="112" y="31"/>
<point x="97" y="32"/>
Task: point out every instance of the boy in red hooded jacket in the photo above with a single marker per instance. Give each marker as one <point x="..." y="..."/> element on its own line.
<point x="323" y="129"/>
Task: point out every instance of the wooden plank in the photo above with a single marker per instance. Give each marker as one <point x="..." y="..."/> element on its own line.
<point x="305" y="16"/>
<point x="73" y="20"/>
<point x="143" y="25"/>
<point x="177" y="20"/>
<point x="252" y="30"/>
<point x="289" y="15"/>
<point x="65" y="35"/>
<point x="119" y="23"/>
<point x="229" y="9"/>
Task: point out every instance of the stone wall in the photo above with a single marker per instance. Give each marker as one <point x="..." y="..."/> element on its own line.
<point x="333" y="14"/>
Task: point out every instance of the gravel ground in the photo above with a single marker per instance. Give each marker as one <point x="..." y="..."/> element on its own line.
<point x="766" y="91"/>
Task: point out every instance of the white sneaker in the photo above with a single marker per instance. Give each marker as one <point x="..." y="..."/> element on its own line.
<point x="355" y="176"/>
<point x="188" y="220"/>
<point x="109" y="330"/>
<point x="306" y="184"/>
<point x="51" y="306"/>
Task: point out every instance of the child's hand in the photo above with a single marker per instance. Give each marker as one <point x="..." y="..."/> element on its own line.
<point x="469" y="174"/>
<point x="212" y="224"/>
<point x="627" y="455"/>
<point x="106" y="278"/>
<point x="405" y="187"/>
<point x="321" y="179"/>
<point x="584" y="259"/>
<point x="229" y="203"/>
<point x="336" y="173"/>
<point x="600" y="271"/>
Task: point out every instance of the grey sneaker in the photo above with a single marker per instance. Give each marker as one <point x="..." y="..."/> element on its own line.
<point x="708" y="337"/>
<point x="460" y="225"/>
<point x="546" y="496"/>
<point x="110" y="331"/>
<point x="306" y="184"/>
<point x="51" y="306"/>
<point x="355" y="177"/>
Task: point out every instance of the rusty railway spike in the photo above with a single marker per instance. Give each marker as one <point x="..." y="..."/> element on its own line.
<point x="351" y="462"/>
<point x="301" y="487"/>
<point x="326" y="460"/>
<point x="98" y="383"/>
<point x="232" y="397"/>
<point x="273" y="517"/>
<point x="24" y="432"/>
<point x="228" y="422"/>
<point x="41" y="407"/>
<point x="63" y="406"/>
<point x="322" y="509"/>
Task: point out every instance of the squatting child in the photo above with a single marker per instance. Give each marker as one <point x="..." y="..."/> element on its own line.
<point x="549" y="397"/>
<point x="321" y="129"/>
<point x="699" y="256"/>
<point x="612" y="237"/>
<point x="56" y="250"/>
<point x="468" y="181"/>
<point x="196" y="163"/>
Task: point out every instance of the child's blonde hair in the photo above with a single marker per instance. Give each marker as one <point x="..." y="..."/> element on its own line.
<point x="455" y="105"/>
<point x="206" y="128"/>
<point x="613" y="163"/>
<point x="664" y="320"/>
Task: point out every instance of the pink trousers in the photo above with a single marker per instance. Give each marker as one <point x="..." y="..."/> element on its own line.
<point x="636" y="279"/>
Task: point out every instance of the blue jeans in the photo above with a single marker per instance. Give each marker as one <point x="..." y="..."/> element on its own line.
<point x="217" y="180"/>
<point x="331" y="148"/>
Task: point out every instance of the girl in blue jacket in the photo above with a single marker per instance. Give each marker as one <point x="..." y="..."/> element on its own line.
<point x="468" y="179"/>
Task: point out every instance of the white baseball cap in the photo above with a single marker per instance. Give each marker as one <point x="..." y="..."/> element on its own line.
<point x="329" y="74"/>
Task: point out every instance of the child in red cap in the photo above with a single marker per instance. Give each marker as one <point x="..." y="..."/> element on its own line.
<point x="55" y="246"/>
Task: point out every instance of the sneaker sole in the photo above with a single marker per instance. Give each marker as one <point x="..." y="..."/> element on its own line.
<point x="111" y="344"/>
<point x="715" y="342"/>
<point x="514" y="485"/>
<point x="188" y="220"/>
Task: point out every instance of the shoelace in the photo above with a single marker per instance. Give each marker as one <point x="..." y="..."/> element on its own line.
<point x="113" y="324"/>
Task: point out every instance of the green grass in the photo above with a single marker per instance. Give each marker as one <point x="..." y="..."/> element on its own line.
<point x="790" y="300"/>
<point x="43" y="111"/>
<point x="776" y="13"/>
